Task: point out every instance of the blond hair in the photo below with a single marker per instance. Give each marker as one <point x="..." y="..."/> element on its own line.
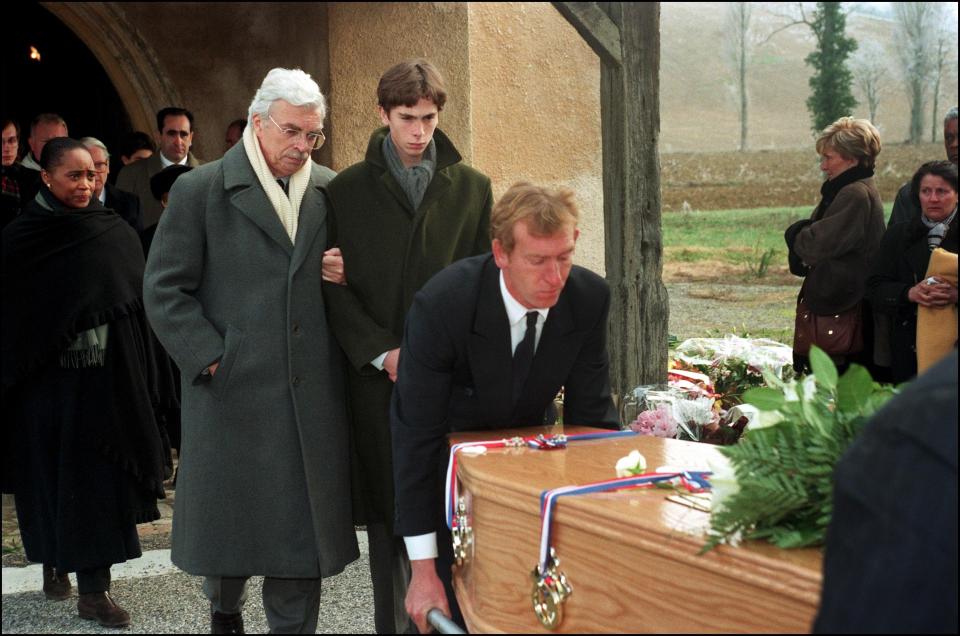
<point x="545" y="211"/>
<point x="852" y="139"/>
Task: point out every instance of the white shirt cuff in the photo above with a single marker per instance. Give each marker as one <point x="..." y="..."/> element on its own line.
<point x="378" y="361"/>
<point x="422" y="546"/>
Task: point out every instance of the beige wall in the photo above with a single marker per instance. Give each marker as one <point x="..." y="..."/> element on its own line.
<point x="367" y="38"/>
<point x="523" y="87"/>
<point x="216" y="55"/>
<point x="524" y="92"/>
<point x="536" y="108"/>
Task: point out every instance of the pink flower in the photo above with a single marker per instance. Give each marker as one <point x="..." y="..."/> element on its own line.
<point x="657" y="422"/>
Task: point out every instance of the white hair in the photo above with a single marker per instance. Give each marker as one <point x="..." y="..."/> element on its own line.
<point x="292" y="86"/>
<point x="91" y="142"/>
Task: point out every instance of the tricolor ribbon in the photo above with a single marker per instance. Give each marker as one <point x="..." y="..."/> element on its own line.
<point x="539" y="442"/>
<point x="694" y="481"/>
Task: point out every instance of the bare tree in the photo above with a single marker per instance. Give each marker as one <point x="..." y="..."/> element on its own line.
<point x="916" y="35"/>
<point x="946" y="48"/>
<point x="738" y="44"/>
<point x="870" y="74"/>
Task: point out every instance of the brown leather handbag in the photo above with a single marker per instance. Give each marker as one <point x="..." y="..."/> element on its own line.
<point x="837" y="334"/>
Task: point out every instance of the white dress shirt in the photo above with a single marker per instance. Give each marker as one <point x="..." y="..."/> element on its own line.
<point x="164" y="162"/>
<point x="424" y="546"/>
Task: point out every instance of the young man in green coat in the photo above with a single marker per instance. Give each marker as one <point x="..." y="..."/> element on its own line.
<point x="405" y="212"/>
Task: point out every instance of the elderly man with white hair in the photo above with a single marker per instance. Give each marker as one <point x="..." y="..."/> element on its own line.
<point x="124" y="203"/>
<point x="232" y="289"/>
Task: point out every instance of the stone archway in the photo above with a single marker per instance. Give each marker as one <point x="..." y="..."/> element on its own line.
<point x="129" y="62"/>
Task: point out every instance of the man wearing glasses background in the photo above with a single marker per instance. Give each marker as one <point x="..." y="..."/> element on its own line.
<point x="126" y="204"/>
<point x="405" y="212"/>
<point x="232" y="291"/>
<point x="174" y="139"/>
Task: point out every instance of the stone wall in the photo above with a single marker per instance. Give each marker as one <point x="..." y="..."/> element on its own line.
<point x="217" y="54"/>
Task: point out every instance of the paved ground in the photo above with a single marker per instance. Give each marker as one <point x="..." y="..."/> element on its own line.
<point x="159" y="597"/>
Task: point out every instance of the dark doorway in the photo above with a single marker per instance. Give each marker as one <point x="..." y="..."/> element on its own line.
<point x="67" y="80"/>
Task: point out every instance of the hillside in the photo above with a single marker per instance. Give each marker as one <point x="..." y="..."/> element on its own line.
<point x="697" y="105"/>
<point x="772" y="178"/>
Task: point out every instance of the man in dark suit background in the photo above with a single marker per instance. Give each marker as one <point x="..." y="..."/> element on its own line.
<point x="174" y="139"/>
<point x="126" y="204"/>
<point x="488" y="342"/>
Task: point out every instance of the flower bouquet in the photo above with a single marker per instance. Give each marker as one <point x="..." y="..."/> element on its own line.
<point x="777" y="483"/>
<point x="734" y="364"/>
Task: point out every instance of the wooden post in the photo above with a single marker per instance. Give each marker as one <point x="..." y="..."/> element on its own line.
<point x="626" y="36"/>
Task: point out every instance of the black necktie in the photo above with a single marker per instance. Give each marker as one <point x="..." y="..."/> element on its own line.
<point x="523" y="356"/>
<point x="283" y="186"/>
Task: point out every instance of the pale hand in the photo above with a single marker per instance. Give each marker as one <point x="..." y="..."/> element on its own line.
<point x="391" y="362"/>
<point x="936" y="295"/>
<point x="425" y="593"/>
<point x="213" y="368"/>
<point x="332" y="267"/>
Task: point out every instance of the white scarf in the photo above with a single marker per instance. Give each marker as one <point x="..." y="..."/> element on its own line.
<point x="287" y="207"/>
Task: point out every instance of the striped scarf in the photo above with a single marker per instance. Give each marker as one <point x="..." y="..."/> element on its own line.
<point x="937" y="229"/>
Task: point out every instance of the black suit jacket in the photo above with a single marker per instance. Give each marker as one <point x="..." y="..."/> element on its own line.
<point x="455" y="375"/>
<point x="126" y="204"/>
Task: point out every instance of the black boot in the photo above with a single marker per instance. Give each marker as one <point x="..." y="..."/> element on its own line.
<point x="98" y="606"/>
<point x="56" y="585"/>
<point x="221" y="623"/>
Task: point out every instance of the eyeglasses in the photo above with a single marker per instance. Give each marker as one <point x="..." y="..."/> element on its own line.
<point x="315" y="139"/>
<point x="101" y="166"/>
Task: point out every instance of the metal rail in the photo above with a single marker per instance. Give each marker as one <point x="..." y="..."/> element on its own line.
<point x="442" y="623"/>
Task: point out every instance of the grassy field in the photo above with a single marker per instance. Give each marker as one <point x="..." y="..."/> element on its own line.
<point x="725" y="262"/>
<point x="726" y="272"/>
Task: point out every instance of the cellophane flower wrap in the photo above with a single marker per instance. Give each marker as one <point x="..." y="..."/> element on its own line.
<point x="734" y="364"/>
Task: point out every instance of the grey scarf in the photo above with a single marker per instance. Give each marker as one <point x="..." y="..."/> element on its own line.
<point x="413" y="180"/>
<point x="937" y="230"/>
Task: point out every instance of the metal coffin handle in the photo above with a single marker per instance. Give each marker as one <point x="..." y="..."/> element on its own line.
<point x="442" y="623"/>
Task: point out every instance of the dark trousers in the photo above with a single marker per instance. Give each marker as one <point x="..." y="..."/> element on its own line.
<point x="390" y="574"/>
<point x="93" y="580"/>
<point x="292" y="606"/>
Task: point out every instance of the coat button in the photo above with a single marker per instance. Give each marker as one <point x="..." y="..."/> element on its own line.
<point x="296" y="380"/>
<point x="296" y="329"/>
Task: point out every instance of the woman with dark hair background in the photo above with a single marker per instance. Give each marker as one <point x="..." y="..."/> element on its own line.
<point x="899" y="284"/>
<point x="84" y="456"/>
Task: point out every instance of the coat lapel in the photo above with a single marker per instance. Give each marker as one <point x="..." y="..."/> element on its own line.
<point x="489" y="346"/>
<point x="918" y="255"/>
<point x="313" y="213"/>
<point x="248" y="196"/>
<point x="391" y="185"/>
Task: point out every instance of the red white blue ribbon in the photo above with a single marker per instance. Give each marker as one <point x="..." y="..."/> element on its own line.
<point x="539" y="442"/>
<point x="694" y="481"/>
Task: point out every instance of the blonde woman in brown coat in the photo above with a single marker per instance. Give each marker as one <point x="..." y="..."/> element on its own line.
<point x="834" y="249"/>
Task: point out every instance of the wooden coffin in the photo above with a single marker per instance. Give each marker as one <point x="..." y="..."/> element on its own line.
<point x="631" y="557"/>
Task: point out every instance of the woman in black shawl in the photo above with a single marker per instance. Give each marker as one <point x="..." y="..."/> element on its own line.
<point x="85" y="459"/>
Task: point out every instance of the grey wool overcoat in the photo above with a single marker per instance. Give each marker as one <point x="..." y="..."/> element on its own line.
<point x="263" y="487"/>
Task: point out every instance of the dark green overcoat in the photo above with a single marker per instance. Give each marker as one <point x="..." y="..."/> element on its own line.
<point x="390" y="250"/>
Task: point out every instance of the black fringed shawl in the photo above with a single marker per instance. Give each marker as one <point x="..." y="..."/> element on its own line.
<point x="65" y="271"/>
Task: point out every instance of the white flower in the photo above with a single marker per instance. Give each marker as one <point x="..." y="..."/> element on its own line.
<point x="763" y="419"/>
<point x="632" y="464"/>
<point x="723" y="481"/>
<point x="699" y="411"/>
